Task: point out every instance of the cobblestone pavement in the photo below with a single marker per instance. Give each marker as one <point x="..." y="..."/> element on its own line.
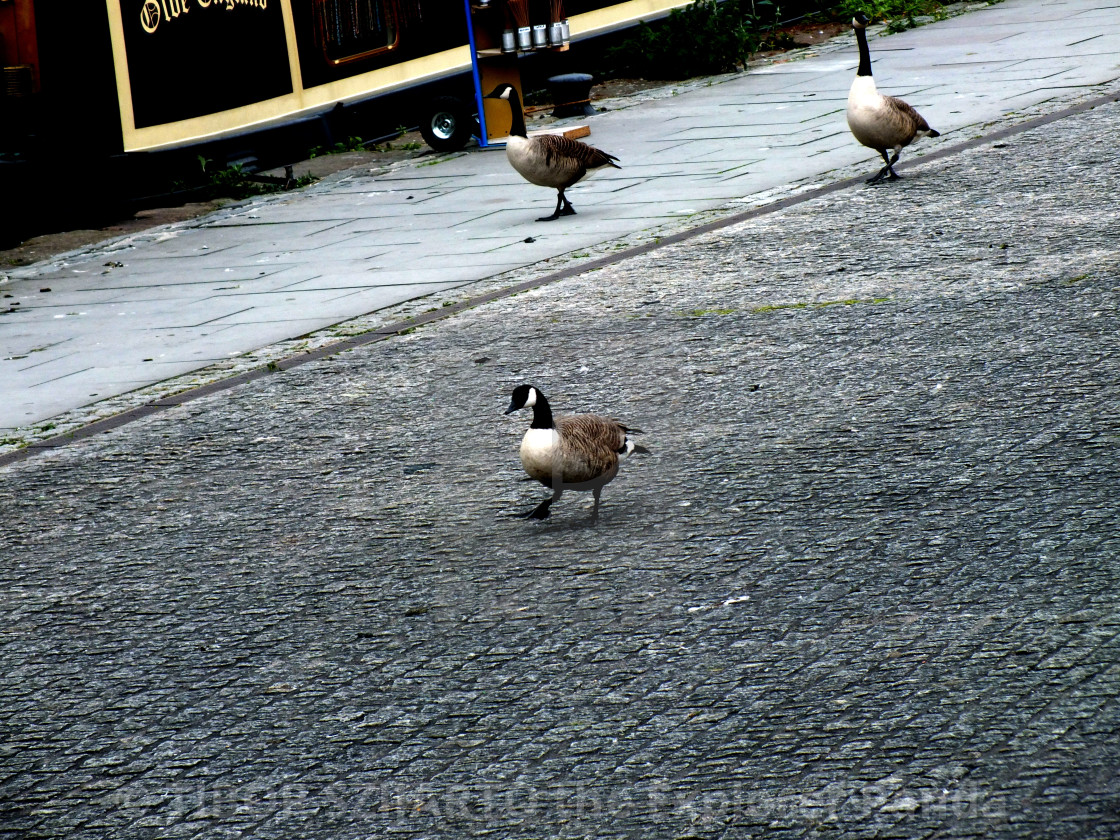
<point x="864" y="586"/>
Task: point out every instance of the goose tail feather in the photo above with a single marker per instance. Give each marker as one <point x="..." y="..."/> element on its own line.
<point x="630" y="448"/>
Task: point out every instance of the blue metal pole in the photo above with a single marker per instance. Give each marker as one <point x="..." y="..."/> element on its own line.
<point x="478" y="94"/>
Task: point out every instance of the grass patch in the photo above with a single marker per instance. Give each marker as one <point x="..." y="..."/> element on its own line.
<point x="703" y="313"/>
<point x="777" y="307"/>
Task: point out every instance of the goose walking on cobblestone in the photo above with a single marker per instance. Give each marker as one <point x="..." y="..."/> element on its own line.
<point x="877" y="121"/>
<point x="573" y="452"/>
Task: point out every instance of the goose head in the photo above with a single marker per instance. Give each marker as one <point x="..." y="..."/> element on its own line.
<point x="524" y="396"/>
<point x="502" y="91"/>
<point x="860" y="21"/>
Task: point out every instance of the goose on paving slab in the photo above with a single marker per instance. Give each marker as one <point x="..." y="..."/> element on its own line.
<point x="877" y="121"/>
<point x="548" y="160"/>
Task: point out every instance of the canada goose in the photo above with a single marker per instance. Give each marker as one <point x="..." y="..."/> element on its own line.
<point x="880" y="122"/>
<point x="576" y="452"/>
<point x="548" y="160"/>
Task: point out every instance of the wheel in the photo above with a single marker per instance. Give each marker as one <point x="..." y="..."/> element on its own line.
<point x="448" y="124"/>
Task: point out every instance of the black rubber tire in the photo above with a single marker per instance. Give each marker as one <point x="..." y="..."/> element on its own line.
<point x="448" y="124"/>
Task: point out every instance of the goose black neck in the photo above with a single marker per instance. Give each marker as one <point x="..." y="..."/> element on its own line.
<point x="542" y="413"/>
<point x="518" y="126"/>
<point x="864" y="54"/>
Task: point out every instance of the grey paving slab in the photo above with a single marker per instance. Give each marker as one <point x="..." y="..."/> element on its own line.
<point x="707" y="146"/>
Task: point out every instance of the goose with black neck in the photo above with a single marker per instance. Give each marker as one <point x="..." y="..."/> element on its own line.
<point x="548" y="160"/>
<point x="571" y="452"/>
<point x="877" y="121"/>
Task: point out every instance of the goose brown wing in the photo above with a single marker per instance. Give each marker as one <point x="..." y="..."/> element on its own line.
<point x="587" y="157"/>
<point x="908" y="113"/>
<point x="589" y="446"/>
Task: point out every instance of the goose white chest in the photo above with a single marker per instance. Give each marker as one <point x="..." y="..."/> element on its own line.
<point x="867" y="111"/>
<point x="540" y="453"/>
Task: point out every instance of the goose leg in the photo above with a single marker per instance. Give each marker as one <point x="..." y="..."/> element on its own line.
<point x="875" y="179"/>
<point x="598" y="491"/>
<point x="541" y="511"/>
<point x="556" y="214"/>
<point x="894" y="176"/>
<point x="568" y="209"/>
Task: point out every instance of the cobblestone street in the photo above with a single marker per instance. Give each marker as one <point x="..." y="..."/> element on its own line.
<point x="865" y="584"/>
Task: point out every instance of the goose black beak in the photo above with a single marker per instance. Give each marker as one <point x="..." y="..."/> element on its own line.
<point x="512" y="408"/>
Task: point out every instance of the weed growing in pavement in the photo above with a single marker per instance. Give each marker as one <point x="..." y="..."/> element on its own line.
<point x="357" y="144"/>
<point x="351" y="144"/>
<point x="234" y="182"/>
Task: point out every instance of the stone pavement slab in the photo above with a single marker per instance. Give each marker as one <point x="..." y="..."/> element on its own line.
<point x="864" y="586"/>
<point x="454" y="220"/>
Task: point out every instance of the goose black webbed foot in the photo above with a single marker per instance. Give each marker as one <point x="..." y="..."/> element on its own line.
<point x="541" y="511"/>
<point x="567" y="211"/>
<point x="558" y="212"/>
